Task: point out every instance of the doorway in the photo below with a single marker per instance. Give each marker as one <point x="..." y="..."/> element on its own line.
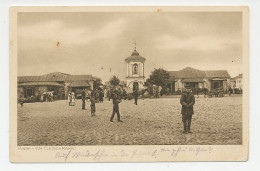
<point x="29" y="92"/>
<point x="135" y="86"/>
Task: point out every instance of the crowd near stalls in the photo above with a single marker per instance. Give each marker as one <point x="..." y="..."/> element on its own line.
<point x="52" y="86"/>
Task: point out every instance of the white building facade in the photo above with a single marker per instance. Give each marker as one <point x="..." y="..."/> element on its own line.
<point x="135" y="77"/>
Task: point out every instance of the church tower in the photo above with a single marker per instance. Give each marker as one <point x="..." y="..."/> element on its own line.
<point x="135" y="71"/>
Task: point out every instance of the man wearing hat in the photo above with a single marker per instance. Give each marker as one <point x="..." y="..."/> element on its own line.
<point x="187" y="101"/>
<point x="116" y="101"/>
<point x="83" y="97"/>
<point x="135" y="93"/>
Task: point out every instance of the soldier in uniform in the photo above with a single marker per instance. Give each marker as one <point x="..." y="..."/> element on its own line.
<point x="83" y="97"/>
<point x="116" y="101"/>
<point x="187" y="101"/>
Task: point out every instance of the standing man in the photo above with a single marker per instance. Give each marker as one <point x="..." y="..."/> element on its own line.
<point x="136" y="96"/>
<point x="101" y="96"/>
<point x="229" y="91"/>
<point x="83" y="97"/>
<point x="92" y="106"/>
<point x="187" y="101"/>
<point x="116" y="101"/>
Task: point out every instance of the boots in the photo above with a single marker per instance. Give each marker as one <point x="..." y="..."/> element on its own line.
<point x="184" y="128"/>
<point x="188" y="125"/>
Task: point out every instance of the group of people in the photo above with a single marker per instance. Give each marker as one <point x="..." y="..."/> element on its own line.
<point x="187" y="101"/>
<point x="93" y="97"/>
<point x="71" y="98"/>
<point x="115" y="95"/>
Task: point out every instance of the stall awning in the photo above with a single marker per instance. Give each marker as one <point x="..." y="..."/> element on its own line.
<point x="193" y="80"/>
<point x="218" y="79"/>
<point x="79" y="84"/>
<point x="43" y="83"/>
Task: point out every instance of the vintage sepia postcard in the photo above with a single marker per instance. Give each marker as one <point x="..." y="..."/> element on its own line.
<point x="129" y="84"/>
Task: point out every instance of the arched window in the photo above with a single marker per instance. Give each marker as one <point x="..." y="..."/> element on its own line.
<point x="135" y="69"/>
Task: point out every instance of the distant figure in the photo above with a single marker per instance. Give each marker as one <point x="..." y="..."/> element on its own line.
<point x="230" y="91"/>
<point x="73" y="98"/>
<point x="197" y="92"/>
<point x="52" y="97"/>
<point x="39" y="96"/>
<point x="108" y="95"/>
<point x="92" y="106"/>
<point x="116" y="101"/>
<point x="157" y="92"/>
<point x="124" y="94"/>
<point x="69" y="99"/>
<point x="97" y="96"/>
<point x="94" y="95"/>
<point x="41" y="99"/>
<point x="101" y="96"/>
<point x="187" y="101"/>
<point x="135" y="93"/>
<point x="21" y="101"/>
<point x="205" y="91"/>
<point x="83" y="97"/>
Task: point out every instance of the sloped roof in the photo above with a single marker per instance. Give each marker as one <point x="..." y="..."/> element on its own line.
<point x="55" y="76"/>
<point x="190" y="80"/>
<point x="217" y="73"/>
<point x="79" y="84"/>
<point x="239" y="76"/>
<point x="195" y="73"/>
<point x="78" y="77"/>
<point x="135" y="57"/>
<point x="40" y="84"/>
<point x="187" y="73"/>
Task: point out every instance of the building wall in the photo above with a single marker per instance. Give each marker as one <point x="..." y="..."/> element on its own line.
<point x="131" y="77"/>
<point x="91" y="82"/>
<point x="20" y="92"/>
<point x="41" y="89"/>
<point x="239" y="83"/>
<point x="130" y="81"/>
<point x="129" y="68"/>
<point x="179" y="85"/>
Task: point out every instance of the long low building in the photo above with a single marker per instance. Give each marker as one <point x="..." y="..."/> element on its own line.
<point x="210" y="79"/>
<point x="59" y="83"/>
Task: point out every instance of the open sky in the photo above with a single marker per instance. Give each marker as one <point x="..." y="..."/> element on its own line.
<point x="84" y="43"/>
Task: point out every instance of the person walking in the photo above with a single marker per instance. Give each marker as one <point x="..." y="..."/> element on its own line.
<point x="92" y="106"/>
<point x="83" y="98"/>
<point x="197" y="92"/>
<point x="73" y="98"/>
<point x="124" y="94"/>
<point x="229" y="91"/>
<point x="116" y="101"/>
<point x="187" y="101"/>
<point x="69" y="98"/>
<point x="101" y="96"/>
<point x="135" y="96"/>
<point x="108" y="95"/>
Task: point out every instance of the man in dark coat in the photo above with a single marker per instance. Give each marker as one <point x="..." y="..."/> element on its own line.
<point x="116" y="101"/>
<point x="187" y="101"/>
<point x="135" y="96"/>
<point x="101" y="96"/>
<point x="83" y="97"/>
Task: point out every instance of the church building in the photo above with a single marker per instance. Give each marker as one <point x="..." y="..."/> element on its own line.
<point x="135" y="71"/>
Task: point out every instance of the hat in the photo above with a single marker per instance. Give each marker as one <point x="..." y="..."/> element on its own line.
<point x="187" y="86"/>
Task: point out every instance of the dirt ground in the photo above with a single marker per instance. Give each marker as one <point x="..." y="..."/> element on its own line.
<point x="216" y="121"/>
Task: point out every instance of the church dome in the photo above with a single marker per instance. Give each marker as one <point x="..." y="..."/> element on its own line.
<point x="135" y="53"/>
<point x="135" y="57"/>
